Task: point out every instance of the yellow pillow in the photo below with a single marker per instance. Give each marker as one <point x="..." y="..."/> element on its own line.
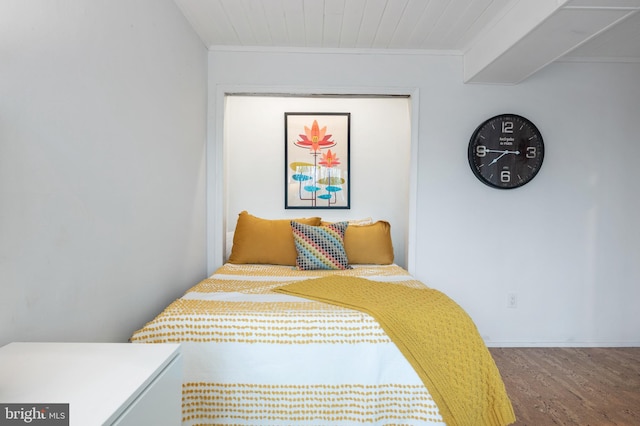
<point x="257" y="240"/>
<point x="369" y="244"/>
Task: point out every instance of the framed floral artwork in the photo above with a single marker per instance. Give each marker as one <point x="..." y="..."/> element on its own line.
<point x="316" y="158"/>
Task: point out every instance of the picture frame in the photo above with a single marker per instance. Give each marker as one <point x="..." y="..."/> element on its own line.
<point x="317" y="160"/>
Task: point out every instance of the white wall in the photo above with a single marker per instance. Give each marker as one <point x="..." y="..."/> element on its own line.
<point x="102" y="138"/>
<point x="254" y="159"/>
<point x="567" y="244"/>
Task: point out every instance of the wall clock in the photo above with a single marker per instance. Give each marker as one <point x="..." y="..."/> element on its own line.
<point x="506" y="151"/>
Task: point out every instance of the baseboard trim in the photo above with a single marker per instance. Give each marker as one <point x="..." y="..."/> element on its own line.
<point x="552" y="344"/>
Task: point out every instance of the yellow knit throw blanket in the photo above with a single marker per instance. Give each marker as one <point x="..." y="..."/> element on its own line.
<point x="436" y="336"/>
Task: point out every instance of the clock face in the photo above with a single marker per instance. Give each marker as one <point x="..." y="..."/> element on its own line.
<point x="506" y="151"/>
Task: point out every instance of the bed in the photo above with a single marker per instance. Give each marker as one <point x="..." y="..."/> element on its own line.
<point x="266" y="342"/>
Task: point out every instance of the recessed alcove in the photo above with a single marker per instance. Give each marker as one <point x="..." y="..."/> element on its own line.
<point x="249" y="149"/>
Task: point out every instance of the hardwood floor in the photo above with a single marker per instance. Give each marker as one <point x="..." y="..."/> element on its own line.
<point x="572" y="386"/>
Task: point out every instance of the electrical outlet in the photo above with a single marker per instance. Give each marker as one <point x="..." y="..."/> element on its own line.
<point x="512" y="300"/>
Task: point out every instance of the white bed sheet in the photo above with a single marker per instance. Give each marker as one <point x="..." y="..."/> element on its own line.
<point x="256" y="357"/>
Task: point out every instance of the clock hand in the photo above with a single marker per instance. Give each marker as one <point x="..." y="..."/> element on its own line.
<point x="495" y="160"/>
<point x="505" y="152"/>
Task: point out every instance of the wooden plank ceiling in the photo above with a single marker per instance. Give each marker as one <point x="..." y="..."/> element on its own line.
<point x="502" y="41"/>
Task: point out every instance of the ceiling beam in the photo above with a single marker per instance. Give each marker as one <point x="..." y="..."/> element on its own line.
<point x="534" y="33"/>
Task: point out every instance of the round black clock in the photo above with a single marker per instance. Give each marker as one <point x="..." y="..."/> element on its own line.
<point x="506" y="151"/>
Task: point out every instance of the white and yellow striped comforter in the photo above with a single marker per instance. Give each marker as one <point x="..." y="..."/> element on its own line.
<point x="256" y="357"/>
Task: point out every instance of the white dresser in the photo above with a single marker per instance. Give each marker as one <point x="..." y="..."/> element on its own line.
<point x="103" y="383"/>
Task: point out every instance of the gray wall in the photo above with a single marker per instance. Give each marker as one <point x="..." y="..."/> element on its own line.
<point x="102" y="141"/>
<point x="102" y="176"/>
<point x="567" y="244"/>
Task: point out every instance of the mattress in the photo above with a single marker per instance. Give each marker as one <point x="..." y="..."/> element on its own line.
<point x="253" y="356"/>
